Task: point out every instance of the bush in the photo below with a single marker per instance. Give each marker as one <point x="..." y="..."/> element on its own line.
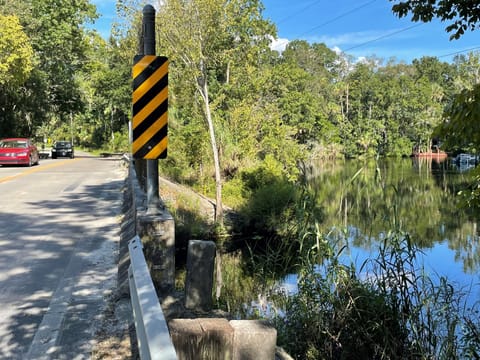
<point x="347" y="319"/>
<point x="396" y="313"/>
<point x="120" y="142"/>
<point x="233" y="193"/>
<point x="271" y="198"/>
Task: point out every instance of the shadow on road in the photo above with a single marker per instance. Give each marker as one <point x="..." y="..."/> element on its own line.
<point x="69" y="241"/>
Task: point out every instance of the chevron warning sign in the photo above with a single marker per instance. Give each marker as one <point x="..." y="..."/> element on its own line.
<point x="150" y="107"/>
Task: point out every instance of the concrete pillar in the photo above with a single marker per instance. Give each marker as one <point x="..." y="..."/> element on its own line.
<point x="199" y="280"/>
<point x="253" y="340"/>
<point x="202" y="338"/>
<point x="157" y="233"/>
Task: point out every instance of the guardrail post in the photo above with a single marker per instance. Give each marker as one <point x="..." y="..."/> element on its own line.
<point x="156" y="225"/>
<point x="153" y="197"/>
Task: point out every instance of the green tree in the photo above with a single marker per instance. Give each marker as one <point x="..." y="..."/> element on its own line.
<point x="461" y="128"/>
<point x="461" y="116"/>
<point x="16" y="53"/>
<point x="59" y="40"/>
<point x="16" y="65"/>
<point x="206" y="39"/>
<point x="435" y="80"/>
<point x="60" y="43"/>
<point x="364" y="131"/>
<point x="310" y="93"/>
<point x="461" y="15"/>
<point x="106" y="90"/>
<point x="467" y="67"/>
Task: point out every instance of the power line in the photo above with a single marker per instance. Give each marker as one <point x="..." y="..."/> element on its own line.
<point x="459" y="52"/>
<point x="338" y="17"/>
<point x="298" y="12"/>
<point x="384" y="36"/>
<point x="325" y="23"/>
<point x="364" y="43"/>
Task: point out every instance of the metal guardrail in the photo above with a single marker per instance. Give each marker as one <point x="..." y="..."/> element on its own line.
<point x="153" y="337"/>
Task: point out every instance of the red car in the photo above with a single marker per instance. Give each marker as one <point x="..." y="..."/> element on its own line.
<point x="18" y="151"/>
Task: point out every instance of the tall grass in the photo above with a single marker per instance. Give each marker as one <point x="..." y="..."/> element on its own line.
<point x="386" y="308"/>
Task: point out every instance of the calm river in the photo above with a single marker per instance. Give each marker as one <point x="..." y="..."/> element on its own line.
<point x="361" y="201"/>
<point x="368" y="198"/>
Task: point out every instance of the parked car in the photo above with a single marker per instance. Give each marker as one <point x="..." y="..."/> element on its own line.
<point x="63" y="149"/>
<point x="18" y="151"/>
<point x="466" y="158"/>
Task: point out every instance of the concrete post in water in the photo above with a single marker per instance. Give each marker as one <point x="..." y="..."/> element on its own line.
<point x="199" y="281"/>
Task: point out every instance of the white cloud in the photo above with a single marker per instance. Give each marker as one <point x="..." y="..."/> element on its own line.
<point x="337" y="50"/>
<point x="365" y="44"/>
<point x="279" y="44"/>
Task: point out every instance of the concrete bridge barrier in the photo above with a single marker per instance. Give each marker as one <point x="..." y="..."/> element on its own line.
<point x="195" y="338"/>
<point x="220" y="339"/>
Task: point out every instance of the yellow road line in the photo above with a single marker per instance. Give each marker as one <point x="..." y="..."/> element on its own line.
<point x="37" y="169"/>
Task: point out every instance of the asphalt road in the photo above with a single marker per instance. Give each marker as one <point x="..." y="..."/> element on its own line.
<point x="59" y="233"/>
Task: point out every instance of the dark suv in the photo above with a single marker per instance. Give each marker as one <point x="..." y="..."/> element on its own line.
<point x="63" y="149"/>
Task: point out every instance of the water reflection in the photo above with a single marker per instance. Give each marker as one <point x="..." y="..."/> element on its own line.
<point x="360" y="203"/>
<point x="419" y="195"/>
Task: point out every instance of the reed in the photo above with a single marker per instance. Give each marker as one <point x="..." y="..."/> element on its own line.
<point x="388" y="307"/>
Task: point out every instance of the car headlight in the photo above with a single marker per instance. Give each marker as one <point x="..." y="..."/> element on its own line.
<point x="22" y="153"/>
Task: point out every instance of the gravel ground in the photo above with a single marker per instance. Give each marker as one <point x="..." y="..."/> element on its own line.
<point x="116" y="333"/>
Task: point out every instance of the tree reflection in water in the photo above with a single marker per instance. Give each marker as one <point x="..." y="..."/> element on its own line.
<point x="361" y="202"/>
<point x="418" y="194"/>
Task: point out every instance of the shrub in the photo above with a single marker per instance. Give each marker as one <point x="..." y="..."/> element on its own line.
<point x="396" y="312"/>
<point x="345" y="319"/>
<point x="271" y="198"/>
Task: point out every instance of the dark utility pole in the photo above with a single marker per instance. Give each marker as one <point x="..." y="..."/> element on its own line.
<point x="153" y="197"/>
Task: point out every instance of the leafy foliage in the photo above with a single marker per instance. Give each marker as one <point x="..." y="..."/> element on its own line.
<point x="16" y="53"/>
<point x="464" y="15"/>
<point x="395" y="313"/>
<point x="462" y="126"/>
<point x="306" y="102"/>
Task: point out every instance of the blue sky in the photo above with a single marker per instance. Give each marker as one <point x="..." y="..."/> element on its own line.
<point x="357" y="27"/>
<point x="364" y="28"/>
<point x="107" y="12"/>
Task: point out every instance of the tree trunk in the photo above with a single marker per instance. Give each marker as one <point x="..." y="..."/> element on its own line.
<point x="227" y="81"/>
<point x="211" y="129"/>
<point x="347" y="101"/>
<point x="218" y="275"/>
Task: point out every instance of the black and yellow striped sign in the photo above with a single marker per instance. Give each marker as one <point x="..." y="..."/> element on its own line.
<point x="150" y="107"/>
